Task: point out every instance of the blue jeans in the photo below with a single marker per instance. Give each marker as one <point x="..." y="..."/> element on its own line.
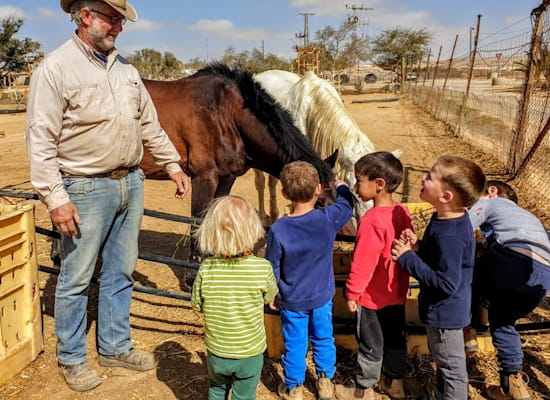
<point x="240" y="376"/>
<point x="447" y="350"/>
<point x="514" y="285"/>
<point x="298" y="327"/>
<point x="111" y="212"/>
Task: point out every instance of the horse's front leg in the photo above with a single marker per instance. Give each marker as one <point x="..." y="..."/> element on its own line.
<point x="202" y="193"/>
<point x="259" y="182"/>
<point x="273" y="206"/>
<point x="224" y="186"/>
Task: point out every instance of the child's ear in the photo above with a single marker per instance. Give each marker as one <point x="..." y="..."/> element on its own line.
<point x="447" y="197"/>
<point x="318" y="190"/>
<point x="380" y="183"/>
<point x="492" y="192"/>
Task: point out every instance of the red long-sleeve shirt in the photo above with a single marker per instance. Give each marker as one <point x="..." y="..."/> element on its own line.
<point x="375" y="281"/>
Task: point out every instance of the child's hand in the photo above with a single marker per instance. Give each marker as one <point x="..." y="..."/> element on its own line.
<point x="409" y="236"/>
<point x="273" y="304"/>
<point x="339" y="182"/>
<point x="398" y="248"/>
<point x="352" y="305"/>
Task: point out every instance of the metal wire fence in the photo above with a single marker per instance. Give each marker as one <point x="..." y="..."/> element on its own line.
<point x="497" y="98"/>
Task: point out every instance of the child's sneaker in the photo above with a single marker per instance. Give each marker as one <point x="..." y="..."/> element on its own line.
<point x="470" y="339"/>
<point x="325" y="387"/>
<point x="392" y="387"/>
<point x="353" y="392"/>
<point x="292" y="394"/>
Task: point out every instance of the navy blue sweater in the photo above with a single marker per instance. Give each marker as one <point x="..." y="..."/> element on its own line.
<point x="300" y="250"/>
<point x="444" y="266"/>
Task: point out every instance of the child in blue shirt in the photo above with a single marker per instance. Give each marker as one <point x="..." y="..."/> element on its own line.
<point x="443" y="265"/>
<point x="513" y="275"/>
<point x="300" y="247"/>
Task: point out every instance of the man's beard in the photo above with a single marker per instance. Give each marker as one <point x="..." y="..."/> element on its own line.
<point x="100" y="38"/>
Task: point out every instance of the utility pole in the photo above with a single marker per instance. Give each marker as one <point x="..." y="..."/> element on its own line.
<point x="356" y="21"/>
<point x="354" y="18"/>
<point x="263" y="55"/>
<point x="305" y="34"/>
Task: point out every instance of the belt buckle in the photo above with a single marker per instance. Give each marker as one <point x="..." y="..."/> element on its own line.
<point x="118" y="173"/>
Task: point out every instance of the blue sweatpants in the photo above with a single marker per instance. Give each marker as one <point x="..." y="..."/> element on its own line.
<point x="300" y="326"/>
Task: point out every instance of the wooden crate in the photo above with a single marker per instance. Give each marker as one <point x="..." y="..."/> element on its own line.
<point x="21" y="338"/>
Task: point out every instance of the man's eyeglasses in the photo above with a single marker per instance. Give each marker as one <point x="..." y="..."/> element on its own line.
<point x="113" y="19"/>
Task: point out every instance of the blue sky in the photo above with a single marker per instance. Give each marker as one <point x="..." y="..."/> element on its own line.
<point x="205" y="29"/>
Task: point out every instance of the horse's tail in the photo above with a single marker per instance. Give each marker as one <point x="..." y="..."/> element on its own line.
<point x="279" y="122"/>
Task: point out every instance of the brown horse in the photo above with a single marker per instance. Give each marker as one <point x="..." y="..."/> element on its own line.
<point x="223" y="123"/>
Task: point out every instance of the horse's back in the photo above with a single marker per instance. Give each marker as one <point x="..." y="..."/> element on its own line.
<point x="197" y="114"/>
<point x="277" y="82"/>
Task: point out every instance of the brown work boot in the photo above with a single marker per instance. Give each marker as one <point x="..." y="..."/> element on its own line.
<point x="392" y="387"/>
<point x="470" y="339"/>
<point x="292" y="394"/>
<point x="325" y="388"/>
<point x="80" y="377"/>
<point x="353" y="392"/>
<point x="137" y="360"/>
<point x="512" y="387"/>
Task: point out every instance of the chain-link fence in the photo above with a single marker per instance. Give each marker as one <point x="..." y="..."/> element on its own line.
<point x="497" y="97"/>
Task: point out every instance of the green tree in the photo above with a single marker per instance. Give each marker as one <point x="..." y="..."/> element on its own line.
<point x="391" y="45"/>
<point x="254" y="61"/>
<point x="151" y="64"/>
<point x="340" y="48"/>
<point x="195" y="64"/>
<point x="171" y="67"/>
<point x="15" y="53"/>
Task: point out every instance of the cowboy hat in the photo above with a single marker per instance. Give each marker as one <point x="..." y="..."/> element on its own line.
<point x="122" y="6"/>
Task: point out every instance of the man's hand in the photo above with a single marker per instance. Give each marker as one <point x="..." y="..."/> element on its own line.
<point x="182" y="182"/>
<point x="66" y="218"/>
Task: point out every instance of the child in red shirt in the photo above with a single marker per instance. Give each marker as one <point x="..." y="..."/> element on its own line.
<point x="376" y="288"/>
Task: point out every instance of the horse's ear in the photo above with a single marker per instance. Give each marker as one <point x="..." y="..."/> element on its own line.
<point x="331" y="160"/>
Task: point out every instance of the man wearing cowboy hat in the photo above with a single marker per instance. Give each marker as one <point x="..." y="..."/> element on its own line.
<point x="88" y="118"/>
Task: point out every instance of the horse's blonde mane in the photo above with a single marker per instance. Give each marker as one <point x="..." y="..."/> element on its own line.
<point x="320" y="113"/>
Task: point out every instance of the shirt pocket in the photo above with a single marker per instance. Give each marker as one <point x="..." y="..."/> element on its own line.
<point x="130" y="98"/>
<point x="85" y="105"/>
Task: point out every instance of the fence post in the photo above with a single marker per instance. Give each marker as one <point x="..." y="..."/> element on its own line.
<point x="433" y="106"/>
<point x="427" y="73"/>
<point x="515" y="158"/>
<point x="436" y="65"/>
<point x="446" y="79"/>
<point x="470" y="74"/>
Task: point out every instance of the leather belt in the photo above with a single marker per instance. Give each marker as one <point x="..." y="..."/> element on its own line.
<point x="531" y="254"/>
<point x="118" y="173"/>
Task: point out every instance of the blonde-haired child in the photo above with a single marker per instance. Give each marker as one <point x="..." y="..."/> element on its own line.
<point x="231" y="288"/>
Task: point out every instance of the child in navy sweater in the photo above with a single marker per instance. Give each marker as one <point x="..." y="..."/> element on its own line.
<point x="300" y="248"/>
<point x="443" y="265"/>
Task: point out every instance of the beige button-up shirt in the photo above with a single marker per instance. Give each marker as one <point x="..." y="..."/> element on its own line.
<point x="88" y="117"/>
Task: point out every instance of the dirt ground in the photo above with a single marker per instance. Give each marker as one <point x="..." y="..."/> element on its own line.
<point x="175" y="333"/>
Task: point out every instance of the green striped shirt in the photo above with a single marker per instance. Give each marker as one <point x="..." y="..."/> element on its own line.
<point x="231" y="292"/>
